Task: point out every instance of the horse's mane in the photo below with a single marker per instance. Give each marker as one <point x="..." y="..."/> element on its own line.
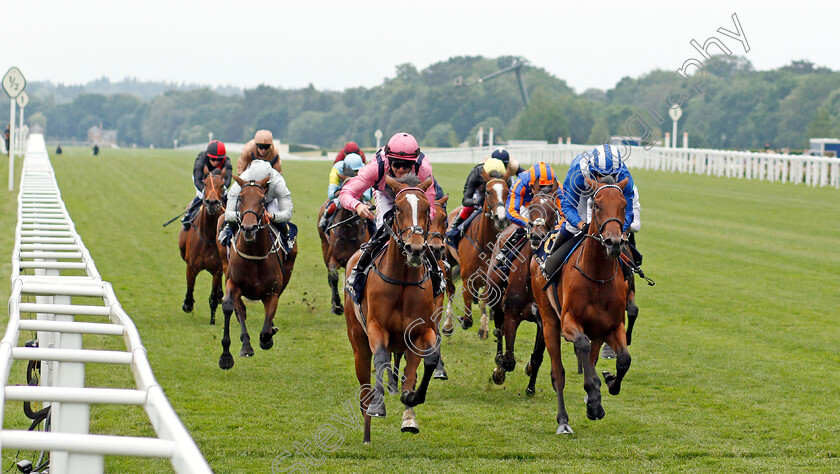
<point x="494" y="174"/>
<point x="216" y="171"/>
<point x="607" y="179"/>
<point x="410" y="179"/>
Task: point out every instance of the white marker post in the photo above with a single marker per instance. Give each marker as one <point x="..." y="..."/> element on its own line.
<point x="13" y="84"/>
<point x="22" y="101"/>
<point x="675" y="113"/>
<point x="378" y="135"/>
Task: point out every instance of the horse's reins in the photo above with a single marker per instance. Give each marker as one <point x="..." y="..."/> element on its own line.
<point x="275" y="248"/>
<point x="600" y="237"/>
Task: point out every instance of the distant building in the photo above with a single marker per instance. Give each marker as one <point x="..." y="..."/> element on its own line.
<point x="98" y="136"/>
<point x="825" y="147"/>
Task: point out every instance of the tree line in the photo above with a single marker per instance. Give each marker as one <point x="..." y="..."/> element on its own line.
<point x="739" y="107"/>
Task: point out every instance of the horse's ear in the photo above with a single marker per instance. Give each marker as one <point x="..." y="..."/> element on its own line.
<point x="442" y="200"/>
<point x="591" y="184"/>
<point x="241" y="182"/>
<point x="264" y="182"/>
<point x="394" y="184"/>
<point x="623" y="183"/>
<point x="425" y="184"/>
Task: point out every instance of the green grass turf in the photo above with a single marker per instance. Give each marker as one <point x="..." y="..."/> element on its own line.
<point x="736" y="361"/>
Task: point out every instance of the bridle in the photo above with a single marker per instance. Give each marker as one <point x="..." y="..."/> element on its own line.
<point x="438" y="235"/>
<point x="490" y="212"/>
<point x="212" y="186"/>
<point x="397" y="233"/>
<point x="259" y="215"/>
<point x="600" y="227"/>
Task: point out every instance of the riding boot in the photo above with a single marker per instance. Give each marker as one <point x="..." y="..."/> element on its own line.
<point x="356" y="281"/>
<point x="325" y="217"/>
<point x="637" y="257"/>
<point x="456" y="222"/>
<point x="507" y="254"/>
<point x="227" y="232"/>
<point x="189" y="214"/>
<point x="562" y="246"/>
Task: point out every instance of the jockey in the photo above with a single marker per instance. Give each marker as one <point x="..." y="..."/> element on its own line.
<point x="512" y="166"/>
<point x="604" y="160"/>
<point x="339" y="174"/>
<point x="539" y="178"/>
<point x="278" y="201"/>
<point x="262" y="148"/>
<point x="474" y="192"/>
<point x="398" y="158"/>
<point x="213" y="159"/>
<point x="350" y="147"/>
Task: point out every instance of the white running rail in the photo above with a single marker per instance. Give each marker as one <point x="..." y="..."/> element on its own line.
<point x="810" y="170"/>
<point x="59" y="267"/>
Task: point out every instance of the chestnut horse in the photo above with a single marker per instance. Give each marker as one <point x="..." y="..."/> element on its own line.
<point x="397" y="308"/>
<point x="198" y="243"/>
<point x="338" y="244"/>
<point x="590" y="299"/>
<point x="516" y="302"/>
<point x="257" y="269"/>
<point x="474" y="250"/>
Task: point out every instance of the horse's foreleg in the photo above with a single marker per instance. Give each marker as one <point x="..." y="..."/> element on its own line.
<point x="381" y="363"/>
<point x="584" y="352"/>
<point x="393" y="382"/>
<point x="617" y="340"/>
<point x="189" y="301"/>
<point x="553" y="337"/>
<point x="467" y="294"/>
<point x="484" y="326"/>
<point x="226" y="360"/>
<point x="431" y="355"/>
<point x="332" y="279"/>
<point x="241" y="315"/>
<point x="440" y="371"/>
<point x="533" y="367"/>
<point x="215" y="295"/>
<point x="512" y="321"/>
<point x="362" y="355"/>
<point x="268" y="329"/>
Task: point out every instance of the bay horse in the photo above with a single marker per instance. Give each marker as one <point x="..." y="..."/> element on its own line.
<point x="397" y="308"/>
<point x="257" y="269"/>
<point x="198" y="243"/>
<point x="586" y="305"/>
<point x="474" y="250"/>
<point x="516" y="302"/>
<point x="338" y="244"/>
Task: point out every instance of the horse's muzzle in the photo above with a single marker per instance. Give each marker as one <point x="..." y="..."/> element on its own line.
<point x="613" y="246"/>
<point x="213" y="206"/>
<point x="249" y="232"/>
<point x="500" y="222"/>
<point x="414" y="254"/>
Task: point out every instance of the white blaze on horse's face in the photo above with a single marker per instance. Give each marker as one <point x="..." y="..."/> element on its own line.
<point x="414" y="202"/>
<point x="500" y="212"/>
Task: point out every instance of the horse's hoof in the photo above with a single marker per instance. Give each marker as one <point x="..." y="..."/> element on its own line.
<point x="482" y="334"/>
<point x="265" y="344"/>
<point x="466" y="323"/>
<point x="448" y="327"/>
<point x="410" y="426"/>
<point x="393" y="390"/>
<point x="376" y="410"/>
<point x="246" y="352"/>
<point x="530" y="391"/>
<point x="528" y="369"/>
<point x="187" y="307"/>
<point x="226" y="361"/>
<point x="607" y="352"/>
<point x="565" y="429"/>
<point x="337" y="309"/>
<point x="409" y="399"/>
<point x="498" y="376"/>
<point x="212" y="320"/>
<point x="440" y="374"/>
<point x="508" y="363"/>
<point x="595" y="413"/>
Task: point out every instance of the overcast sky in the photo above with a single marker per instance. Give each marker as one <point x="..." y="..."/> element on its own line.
<point x="335" y="45"/>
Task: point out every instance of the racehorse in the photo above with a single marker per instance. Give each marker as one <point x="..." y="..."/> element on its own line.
<point x="198" y="243"/>
<point x="397" y="307"/>
<point x="590" y="299"/>
<point x="338" y="244"/>
<point x="474" y="249"/>
<point x="257" y="269"/>
<point x="512" y="302"/>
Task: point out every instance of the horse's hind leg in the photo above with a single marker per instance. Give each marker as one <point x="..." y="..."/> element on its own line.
<point x="512" y="322"/>
<point x="632" y="309"/>
<point x="381" y="363"/>
<point x="483" y="329"/>
<point x="215" y="295"/>
<point x="393" y="382"/>
<point x="241" y="314"/>
<point x="361" y="354"/>
<point x="189" y="300"/>
<point x="553" y="337"/>
<point x="533" y="367"/>
<point x="268" y="330"/>
<point x="622" y="362"/>
<point x="440" y="372"/>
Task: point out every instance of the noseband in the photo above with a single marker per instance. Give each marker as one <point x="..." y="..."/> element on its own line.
<point x="260" y="221"/>
<point x="491" y="211"/>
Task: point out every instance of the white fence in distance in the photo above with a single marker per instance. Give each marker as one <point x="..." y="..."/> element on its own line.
<point x="809" y="170"/>
<point x="60" y="268"/>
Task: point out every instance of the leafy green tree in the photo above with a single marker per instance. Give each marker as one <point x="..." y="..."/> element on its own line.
<point x="440" y="135"/>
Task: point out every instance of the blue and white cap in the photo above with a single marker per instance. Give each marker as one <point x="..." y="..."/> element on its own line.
<point x="605" y="160"/>
<point x="353" y="161"/>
